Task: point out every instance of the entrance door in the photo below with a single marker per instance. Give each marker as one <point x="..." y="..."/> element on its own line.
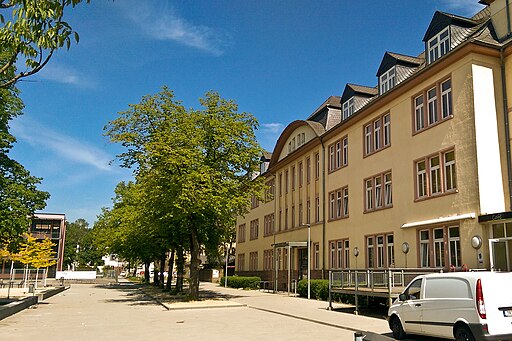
<point x="303" y="263"/>
<point x="501" y="252"/>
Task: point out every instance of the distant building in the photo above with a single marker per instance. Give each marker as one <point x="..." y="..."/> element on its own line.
<point x="414" y="171"/>
<point x="52" y="226"/>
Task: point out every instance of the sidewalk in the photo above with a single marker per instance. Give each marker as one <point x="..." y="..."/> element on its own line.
<point x="215" y="296"/>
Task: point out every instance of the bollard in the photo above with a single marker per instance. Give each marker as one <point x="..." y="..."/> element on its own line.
<point x="359" y="336"/>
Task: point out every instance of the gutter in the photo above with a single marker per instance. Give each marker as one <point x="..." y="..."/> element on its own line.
<point x="324" y="247"/>
<point x="507" y="126"/>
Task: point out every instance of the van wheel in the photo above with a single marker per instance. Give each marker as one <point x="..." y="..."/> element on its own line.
<point x="396" y="327"/>
<point x="462" y="333"/>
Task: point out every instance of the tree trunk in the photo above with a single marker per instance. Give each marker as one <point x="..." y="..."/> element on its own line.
<point x="146" y="272"/>
<point x="156" y="279"/>
<point x="194" y="265"/>
<point x="171" y="269"/>
<point x="180" y="267"/>
<point x="162" y="270"/>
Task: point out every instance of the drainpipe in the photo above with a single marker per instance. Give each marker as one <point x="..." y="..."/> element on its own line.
<point x="508" y="17"/>
<point x="324" y="248"/>
<point x="275" y="272"/>
<point x="505" y="116"/>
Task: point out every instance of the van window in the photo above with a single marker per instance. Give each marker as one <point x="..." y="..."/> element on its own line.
<point x="413" y="292"/>
<point x="447" y="288"/>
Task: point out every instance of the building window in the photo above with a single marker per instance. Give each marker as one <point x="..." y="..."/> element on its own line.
<point x="432" y="106"/>
<point x="280" y="184"/>
<point x="240" y="264"/>
<point x="369" y="195"/>
<point x="438" y="240"/>
<point x="390" y="250"/>
<point x="436" y="175"/>
<point x="317" y="165"/>
<point x="439" y="45"/>
<point x="387" y="130"/>
<point x="280" y="219"/>
<point x="387" y="80"/>
<point x="438" y="248"/>
<point x="286" y="218"/>
<point x="419" y="113"/>
<point x="293" y="178"/>
<point x="344" y="159"/>
<point x="378" y="192"/>
<point x="254" y="201"/>
<point x="308" y="170"/>
<point x="446" y="99"/>
<point x="286" y="178"/>
<point x="241" y="233"/>
<point x="308" y="211"/>
<point x="338" y="203"/>
<point x="375" y="136"/>
<point x="316" y="255"/>
<point x="317" y="209"/>
<point x="339" y="251"/>
<point x="380" y="251"/>
<point x="301" y="213"/>
<point x="301" y="179"/>
<point x="454" y="246"/>
<point x="268" y="225"/>
<point x="268" y="259"/>
<point x="338" y="154"/>
<point x="253" y="261"/>
<point x="439" y="106"/>
<point x="293" y="216"/>
<point x="270" y="190"/>
<point x="348" y="108"/>
<point x="254" y="229"/>
<point x="370" y="252"/>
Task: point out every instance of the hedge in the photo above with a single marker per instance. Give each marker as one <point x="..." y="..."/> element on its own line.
<point x="242" y="282"/>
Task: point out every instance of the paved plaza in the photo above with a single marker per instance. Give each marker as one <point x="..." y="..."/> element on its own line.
<point x="125" y="312"/>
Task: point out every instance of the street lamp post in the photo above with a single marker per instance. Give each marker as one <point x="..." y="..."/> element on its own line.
<point x="309" y="260"/>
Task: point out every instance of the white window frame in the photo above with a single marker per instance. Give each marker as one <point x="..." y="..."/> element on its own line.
<point x="386" y="119"/>
<point x="344" y="161"/>
<point x="439" y="261"/>
<point x="387" y="80"/>
<point x="425" y="249"/>
<point x="419" y="113"/>
<point x="450" y="175"/>
<point x="446" y="99"/>
<point x="439" y="45"/>
<point x="388" y="189"/>
<point x="432" y="115"/>
<point x="348" y="108"/>
<point x="435" y="175"/>
<point x="421" y="180"/>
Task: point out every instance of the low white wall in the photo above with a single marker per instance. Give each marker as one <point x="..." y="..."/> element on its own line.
<point x="76" y="275"/>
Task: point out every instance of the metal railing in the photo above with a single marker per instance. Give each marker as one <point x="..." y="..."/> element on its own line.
<point x="372" y="282"/>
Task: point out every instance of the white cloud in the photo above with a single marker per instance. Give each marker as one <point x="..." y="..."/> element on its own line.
<point x="66" y="75"/>
<point x="164" y="23"/>
<point x="464" y="7"/>
<point x="268" y="133"/>
<point x="64" y="146"/>
<point x="273" y="128"/>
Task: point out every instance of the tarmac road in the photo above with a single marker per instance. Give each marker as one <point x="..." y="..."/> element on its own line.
<point x="124" y="312"/>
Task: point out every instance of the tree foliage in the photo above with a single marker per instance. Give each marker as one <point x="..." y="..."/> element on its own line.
<point x="31" y="31"/>
<point x="38" y="254"/>
<point x="193" y="167"/>
<point x="19" y="196"/>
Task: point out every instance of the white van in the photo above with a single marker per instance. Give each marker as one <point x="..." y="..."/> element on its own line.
<point x="461" y="305"/>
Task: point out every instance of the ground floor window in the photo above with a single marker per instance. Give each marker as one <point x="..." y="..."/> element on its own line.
<point x="253" y="261"/>
<point x="339" y="254"/>
<point x="240" y="262"/>
<point x="316" y="255"/>
<point x="439" y="247"/>
<point x="380" y="250"/>
<point x="268" y="259"/>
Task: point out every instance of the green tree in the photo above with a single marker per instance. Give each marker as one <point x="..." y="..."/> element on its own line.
<point x="202" y="159"/>
<point x="31" y="31"/>
<point x="75" y="233"/>
<point x="19" y="196"/>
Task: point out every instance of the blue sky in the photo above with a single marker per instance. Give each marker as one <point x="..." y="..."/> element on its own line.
<point x="279" y="60"/>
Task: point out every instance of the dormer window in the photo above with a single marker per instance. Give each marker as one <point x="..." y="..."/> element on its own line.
<point x="348" y="108"/>
<point x="439" y="45"/>
<point x="387" y="81"/>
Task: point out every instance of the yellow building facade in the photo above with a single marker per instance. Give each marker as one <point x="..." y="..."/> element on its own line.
<point x="412" y="173"/>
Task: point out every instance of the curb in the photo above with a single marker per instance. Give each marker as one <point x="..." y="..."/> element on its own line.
<point x="17" y="306"/>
